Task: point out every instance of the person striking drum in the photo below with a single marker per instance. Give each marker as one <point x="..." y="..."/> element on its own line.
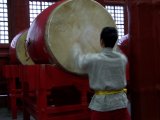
<point x="106" y="71"/>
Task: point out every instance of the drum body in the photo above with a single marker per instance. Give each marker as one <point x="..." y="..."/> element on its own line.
<point x="18" y="50"/>
<point x="58" y="28"/>
<point x="124" y="45"/>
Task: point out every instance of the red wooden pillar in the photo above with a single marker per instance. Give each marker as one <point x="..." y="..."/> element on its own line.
<point x="144" y="30"/>
<point x="18" y="15"/>
<point x="102" y="2"/>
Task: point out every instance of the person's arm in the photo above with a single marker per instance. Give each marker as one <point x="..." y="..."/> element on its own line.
<point x="81" y="60"/>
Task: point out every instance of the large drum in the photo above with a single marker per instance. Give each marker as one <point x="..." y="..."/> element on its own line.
<point x="65" y="23"/>
<point x="124" y="47"/>
<point x="18" y="50"/>
<point x="123" y="44"/>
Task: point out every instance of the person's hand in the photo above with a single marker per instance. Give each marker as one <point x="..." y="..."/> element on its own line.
<point x="76" y="50"/>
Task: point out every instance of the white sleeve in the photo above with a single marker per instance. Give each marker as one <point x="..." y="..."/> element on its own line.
<point x="82" y="61"/>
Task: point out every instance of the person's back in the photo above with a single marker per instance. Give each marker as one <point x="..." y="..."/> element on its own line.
<point x="106" y="72"/>
<point x="107" y="69"/>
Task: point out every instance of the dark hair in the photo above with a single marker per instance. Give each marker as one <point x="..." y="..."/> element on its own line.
<point x="109" y="36"/>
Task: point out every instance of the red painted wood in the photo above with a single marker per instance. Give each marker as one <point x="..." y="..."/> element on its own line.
<point x="18" y="20"/>
<point x="4" y="54"/>
<point x="124" y="46"/>
<point x="18" y="16"/>
<point x="10" y="75"/>
<point x="39" y="81"/>
<point x="35" y="38"/>
<point x="144" y="34"/>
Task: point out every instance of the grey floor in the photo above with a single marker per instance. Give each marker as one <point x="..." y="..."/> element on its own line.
<point x="5" y="114"/>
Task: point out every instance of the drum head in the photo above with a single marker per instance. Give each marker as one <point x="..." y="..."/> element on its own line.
<point x="21" y="50"/>
<point x="75" y="22"/>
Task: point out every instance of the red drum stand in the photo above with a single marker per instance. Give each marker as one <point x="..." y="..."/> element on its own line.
<point x="11" y="74"/>
<point x="50" y="93"/>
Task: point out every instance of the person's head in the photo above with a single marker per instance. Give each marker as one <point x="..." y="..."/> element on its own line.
<point x="108" y="37"/>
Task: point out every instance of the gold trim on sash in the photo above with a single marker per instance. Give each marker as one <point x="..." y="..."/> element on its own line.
<point x="109" y="92"/>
